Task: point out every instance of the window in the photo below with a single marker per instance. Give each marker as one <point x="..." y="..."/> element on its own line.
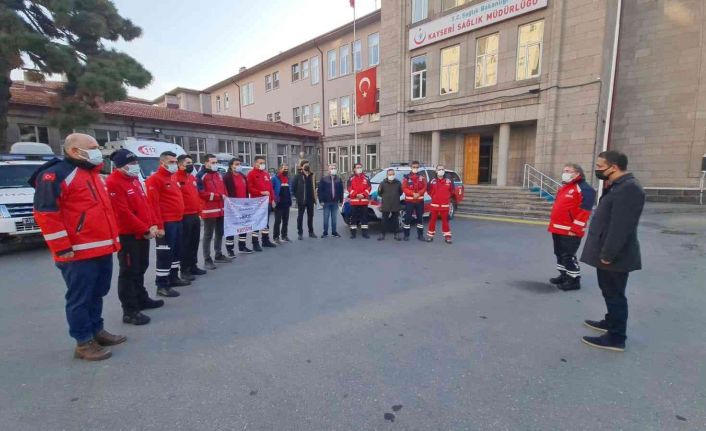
<point x="529" y="50"/>
<point x="315" y="70"/>
<point x="305" y="69"/>
<point x="244" y="152"/>
<point x="331" y="55"/>
<point x="354" y="112"/>
<point x="306" y="114"/>
<point x="179" y="140"/>
<point x="345" y="59"/>
<point x="316" y="116"/>
<point x="376" y="115"/>
<point x="246" y="95"/>
<point x="345" y="110"/>
<point x="343" y="159"/>
<point x="295" y="72"/>
<point x="197" y="148"/>
<point x="420" y="9"/>
<point x="296" y="115"/>
<point x="103" y="136"/>
<point x="355" y="154"/>
<point x="29" y="133"/>
<point x="277" y="116"/>
<point x="449" y="69"/>
<point x="218" y="103"/>
<point x="487" y="60"/>
<point x="331" y="155"/>
<point x="269" y="117"/>
<point x="357" y="56"/>
<point x="419" y="77"/>
<point x="226" y="101"/>
<point x="333" y="112"/>
<point x="450" y="4"/>
<point x="268" y="83"/>
<point x="275" y="80"/>
<point x="371" y="156"/>
<point x="281" y="154"/>
<point x="374" y="49"/>
<point x="261" y="149"/>
<point x="226" y="146"/>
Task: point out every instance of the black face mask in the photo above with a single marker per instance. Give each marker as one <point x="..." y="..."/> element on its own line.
<point x="306" y="168"/>
<point x="189" y="168"/>
<point x="601" y="175"/>
<point x="285" y="173"/>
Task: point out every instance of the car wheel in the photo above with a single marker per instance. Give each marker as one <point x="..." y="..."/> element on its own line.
<point x="452" y="209"/>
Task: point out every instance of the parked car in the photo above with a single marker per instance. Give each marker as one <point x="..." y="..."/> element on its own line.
<point x="374" y="213"/>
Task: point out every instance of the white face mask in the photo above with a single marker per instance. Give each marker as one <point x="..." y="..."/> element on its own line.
<point x="238" y="168"/>
<point x="333" y="171"/>
<point x="390" y="177"/>
<point x="358" y="171"/>
<point x="415" y="170"/>
<point x="567" y="177"/>
<point x="262" y="166"/>
<point x="132" y="170"/>
<point x="212" y="168"/>
<point x="440" y="173"/>
<point x="172" y="167"/>
<point x="93" y="156"/>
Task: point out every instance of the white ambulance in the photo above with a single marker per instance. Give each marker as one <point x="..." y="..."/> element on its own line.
<point x="146" y="150"/>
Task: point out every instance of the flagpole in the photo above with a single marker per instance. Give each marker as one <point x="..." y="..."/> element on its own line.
<point x="355" y="86"/>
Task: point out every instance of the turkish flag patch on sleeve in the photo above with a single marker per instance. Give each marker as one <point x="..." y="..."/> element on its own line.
<point x="49" y="176"/>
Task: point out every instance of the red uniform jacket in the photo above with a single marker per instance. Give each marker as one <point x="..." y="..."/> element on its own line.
<point x="132" y="210"/>
<point x="189" y="191"/>
<point x="164" y="195"/>
<point x="72" y="208"/>
<point x="414" y="183"/>
<point x="441" y="191"/>
<point x="572" y="208"/>
<point x="212" y="191"/>
<point x="359" y="185"/>
<point x="259" y="181"/>
<point x="236" y="185"/>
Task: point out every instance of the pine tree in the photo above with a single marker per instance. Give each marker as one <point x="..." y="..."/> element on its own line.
<point x="67" y="37"/>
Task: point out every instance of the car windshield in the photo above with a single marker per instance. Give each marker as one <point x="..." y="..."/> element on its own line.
<point x="149" y="165"/>
<point x="382" y="175"/>
<point x="16" y="176"/>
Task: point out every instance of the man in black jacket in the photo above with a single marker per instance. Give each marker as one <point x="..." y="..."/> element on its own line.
<point x="304" y="190"/>
<point x="330" y="193"/>
<point x="612" y="246"/>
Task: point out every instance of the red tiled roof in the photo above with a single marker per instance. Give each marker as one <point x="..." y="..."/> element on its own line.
<point x="45" y="95"/>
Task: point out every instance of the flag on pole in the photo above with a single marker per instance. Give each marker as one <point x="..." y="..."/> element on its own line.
<point x="352" y="3"/>
<point x="365" y="92"/>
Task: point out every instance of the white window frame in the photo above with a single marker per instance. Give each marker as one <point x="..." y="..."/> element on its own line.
<point x="376" y="116"/>
<point x="200" y="144"/>
<point x="306" y="114"/>
<point x="218" y="103"/>
<point x="109" y="134"/>
<point x="371" y="159"/>
<point x="296" y="115"/>
<point x="422" y="78"/>
<point x="296" y="72"/>
<point x="278" y="116"/>
<point x="315" y="70"/>
<point x="247" y="96"/>
<point x="332" y="62"/>
<point x="344" y="60"/>
<point x="526" y="49"/>
<point x="226" y="101"/>
<point x="268" y="83"/>
<point x="282" y="158"/>
<point x="482" y="59"/>
<point x="420" y="10"/>
<point x="343" y="160"/>
<point x="331" y="155"/>
<point x="261" y="150"/>
<point x="356" y="154"/>
<point x="333" y="115"/>
<point x="275" y="80"/>
<point x="347" y="108"/>
<point x="245" y="152"/>
<point x="446" y="69"/>
<point x="373" y="50"/>
<point x="269" y="117"/>
<point x="304" y="69"/>
<point x="316" y="115"/>
<point x="229" y="146"/>
<point x="357" y="56"/>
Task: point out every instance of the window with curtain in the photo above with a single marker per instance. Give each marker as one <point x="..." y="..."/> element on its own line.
<point x="449" y="69"/>
<point x="487" y="60"/>
<point x="529" y="50"/>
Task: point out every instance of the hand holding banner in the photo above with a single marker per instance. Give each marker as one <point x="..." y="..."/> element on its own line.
<point x="245" y="215"/>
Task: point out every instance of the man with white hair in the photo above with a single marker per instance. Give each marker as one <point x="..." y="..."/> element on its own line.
<point x="73" y="210"/>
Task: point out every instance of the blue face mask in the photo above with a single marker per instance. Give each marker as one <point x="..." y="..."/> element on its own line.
<point x="239" y="168"/>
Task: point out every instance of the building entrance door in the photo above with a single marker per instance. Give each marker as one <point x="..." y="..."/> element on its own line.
<point x="471" y="159"/>
<point x="485" y="160"/>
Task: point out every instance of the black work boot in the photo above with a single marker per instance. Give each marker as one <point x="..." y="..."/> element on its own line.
<point x="406" y="234"/>
<point x="601" y="326"/>
<point x="420" y="234"/>
<point x="178" y="282"/>
<point x="186" y="274"/>
<point x="560" y="279"/>
<point x="605" y="342"/>
<point x="570" y="283"/>
<point x="256" y="245"/>
<point x="396" y="236"/>
<point x="221" y="258"/>
<point x="242" y="248"/>
<point x="149" y="304"/>
<point x="267" y="243"/>
<point x="136" y="318"/>
<point x="208" y="263"/>
<point x="353" y="233"/>
<point x="167" y="292"/>
<point x="231" y="253"/>
<point x="195" y="270"/>
<point x="365" y="234"/>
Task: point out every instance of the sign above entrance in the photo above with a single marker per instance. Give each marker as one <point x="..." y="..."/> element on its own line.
<point x="469" y="19"/>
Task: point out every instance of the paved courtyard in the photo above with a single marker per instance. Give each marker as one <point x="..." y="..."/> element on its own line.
<point x="338" y="334"/>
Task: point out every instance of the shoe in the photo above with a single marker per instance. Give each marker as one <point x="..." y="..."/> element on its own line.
<point x="231" y="254"/>
<point x="448" y="240"/>
<point x="167" y="292"/>
<point x="150" y="304"/>
<point x="277" y="241"/>
<point x="406" y="238"/>
<point x="601" y="326"/>
<point x="381" y="237"/>
<point x="186" y="276"/>
<point x="91" y="351"/>
<point x="136" y="318"/>
<point x="605" y="342"/>
<point x="195" y="270"/>
<point x="312" y="235"/>
<point x="335" y="235"/>
<point x="300" y="237"/>
<point x="396" y="236"/>
<point x="178" y="282"/>
<point x="256" y="247"/>
<point x="220" y="258"/>
<point x="420" y="235"/>
<point x="570" y="284"/>
<point x="353" y="234"/>
<point x="268" y="244"/>
<point x="105" y="338"/>
<point x="365" y="234"/>
<point x="286" y="239"/>
<point x="325" y="235"/>
<point x="208" y="263"/>
<point x="245" y="250"/>
<point x="560" y="279"/>
<point x="429" y="239"/>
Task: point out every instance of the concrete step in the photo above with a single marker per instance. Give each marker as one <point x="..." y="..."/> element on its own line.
<point x="505" y="212"/>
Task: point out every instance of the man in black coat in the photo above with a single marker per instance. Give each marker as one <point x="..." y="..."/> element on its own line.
<point x="304" y="190"/>
<point x="612" y="246"/>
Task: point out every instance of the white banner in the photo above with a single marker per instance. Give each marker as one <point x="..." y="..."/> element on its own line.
<point x="469" y="19"/>
<point x="245" y="215"/>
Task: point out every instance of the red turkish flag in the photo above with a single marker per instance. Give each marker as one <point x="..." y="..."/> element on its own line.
<point x="352" y="3"/>
<point x="365" y="89"/>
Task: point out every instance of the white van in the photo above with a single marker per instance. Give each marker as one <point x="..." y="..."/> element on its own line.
<point x="146" y="150"/>
<point x="16" y="195"/>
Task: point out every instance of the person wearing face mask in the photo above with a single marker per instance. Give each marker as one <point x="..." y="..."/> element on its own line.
<point x="283" y="202"/>
<point x="304" y="189"/>
<point x="570" y="213"/>
<point x="441" y="189"/>
<point x="359" y="196"/>
<point x="612" y="246"/>
<point x="75" y="215"/>
<point x="168" y="207"/>
<point x="212" y="192"/>
<point x="414" y="185"/>
<point x="330" y="194"/>
<point x="137" y="225"/>
<point x="237" y="187"/>
<point x="259" y="184"/>
<point x="389" y="191"/>
<point x="191" y="223"/>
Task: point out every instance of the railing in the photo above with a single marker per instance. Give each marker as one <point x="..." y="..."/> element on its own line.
<point x="545" y="185"/>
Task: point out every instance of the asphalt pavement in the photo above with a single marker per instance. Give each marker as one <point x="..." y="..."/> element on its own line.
<point x="340" y="334"/>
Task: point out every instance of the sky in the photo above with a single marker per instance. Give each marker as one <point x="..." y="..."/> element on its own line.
<point x="197" y="43"/>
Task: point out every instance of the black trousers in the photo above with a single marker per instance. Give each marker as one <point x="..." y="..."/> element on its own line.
<point x="390" y="221"/>
<point x="281" y="221"/>
<point x="133" y="258"/>
<point x="565" y="248"/>
<point x="359" y="216"/>
<point x="191" y="235"/>
<point x="613" y="285"/>
<point x="309" y="208"/>
<point x="416" y="208"/>
<point x="168" y="253"/>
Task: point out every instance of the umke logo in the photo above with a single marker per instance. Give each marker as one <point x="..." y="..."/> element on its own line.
<point x="420" y="37"/>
